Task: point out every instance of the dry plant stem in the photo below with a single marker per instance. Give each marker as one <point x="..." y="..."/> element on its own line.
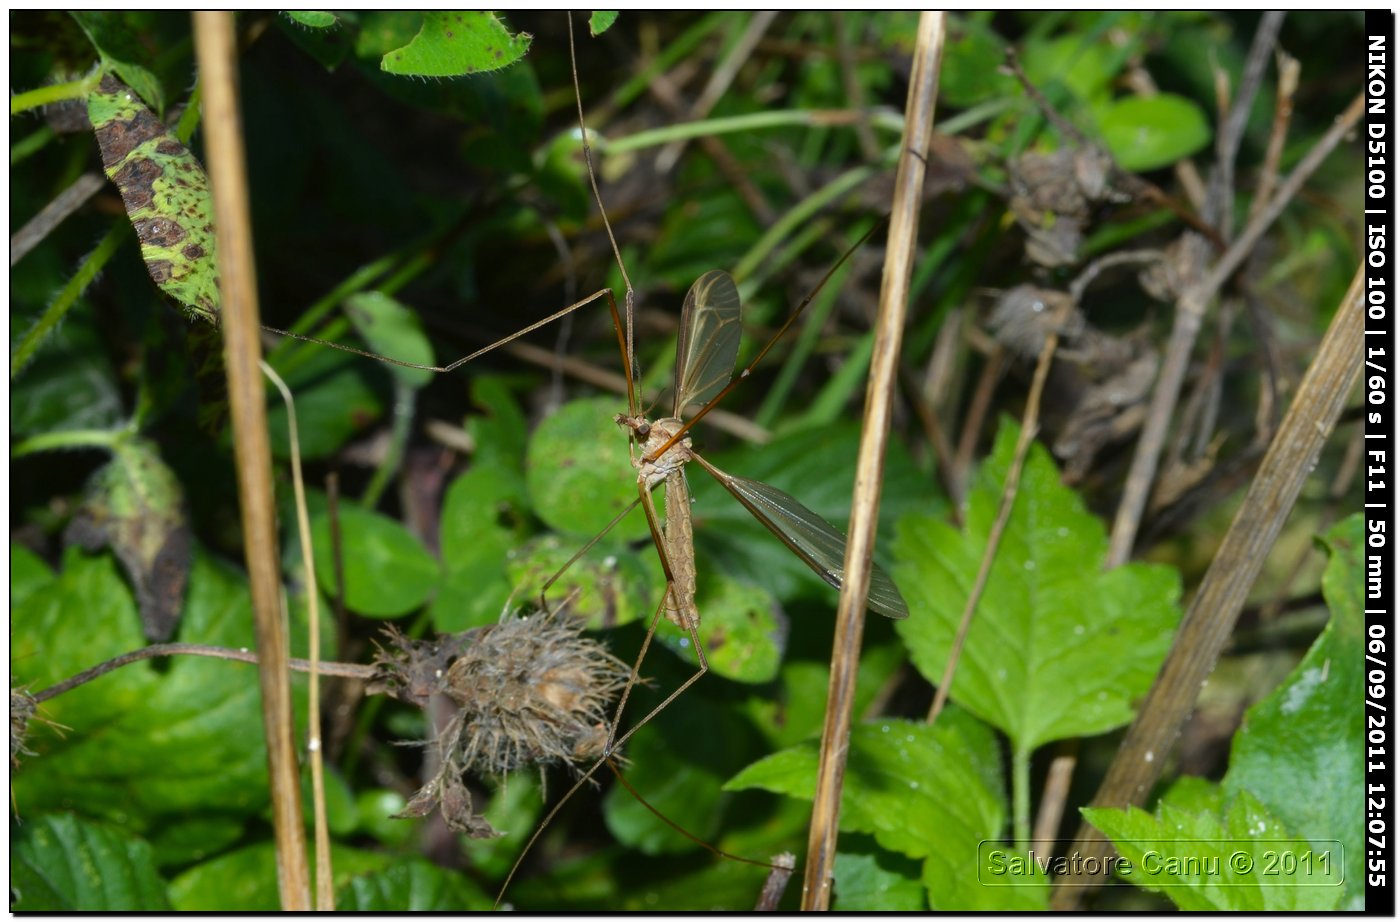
<point x="865" y="503"/>
<point x="325" y="890"/>
<point x="1208" y="624"/>
<point x="53" y="214"/>
<point x="1218" y="208"/>
<point x="1288" y="70"/>
<point x="1190" y="309"/>
<point x="217" y="53"/>
<point x="972" y="425"/>
<point x="776" y="884"/>
<point x="344" y="670"/>
<point x="1056" y="791"/>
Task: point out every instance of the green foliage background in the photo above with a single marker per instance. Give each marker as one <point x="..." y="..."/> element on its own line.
<point x="416" y="195"/>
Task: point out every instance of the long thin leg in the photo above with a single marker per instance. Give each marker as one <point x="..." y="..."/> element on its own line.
<point x="614" y="741"/>
<point x="544" y="605"/>
<point x="444" y="369"/>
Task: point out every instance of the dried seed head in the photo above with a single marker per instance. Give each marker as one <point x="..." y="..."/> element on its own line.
<point x="530" y="691"/>
<point x="22" y="708"/>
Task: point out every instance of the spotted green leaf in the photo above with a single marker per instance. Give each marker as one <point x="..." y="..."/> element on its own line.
<point x="135" y="504"/>
<point x="166" y="193"/>
<point x="453" y="43"/>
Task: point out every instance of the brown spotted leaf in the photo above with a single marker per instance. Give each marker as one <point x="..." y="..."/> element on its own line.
<point x="166" y="193"/>
<point x="135" y="504"/>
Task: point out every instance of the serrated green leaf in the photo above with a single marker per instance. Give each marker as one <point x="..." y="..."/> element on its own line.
<point x="416" y="885"/>
<point x="1205" y="863"/>
<point x="918" y="790"/>
<point x="136" y="505"/>
<point x="388" y="572"/>
<point x="312" y="19"/>
<point x="166" y="194"/>
<point x="578" y="473"/>
<point x="455" y="43"/>
<point x="393" y="331"/>
<point x="601" y="21"/>
<point x="1306" y="735"/>
<point x="1150" y="132"/>
<point x="1049" y="619"/>
<point x="60" y="863"/>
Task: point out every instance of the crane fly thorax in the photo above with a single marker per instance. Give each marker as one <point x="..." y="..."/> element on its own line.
<point x="650" y="437"/>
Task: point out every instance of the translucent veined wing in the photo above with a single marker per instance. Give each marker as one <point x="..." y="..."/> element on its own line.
<point x="809" y="536"/>
<point x="709" y="341"/>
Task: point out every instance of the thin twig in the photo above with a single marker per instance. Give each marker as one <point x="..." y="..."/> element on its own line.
<point x="1030" y="422"/>
<point x="865" y="502"/>
<point x="784" y="864"/>
<point x="216" y="47"/>
<point x="53" y="214"/>
<point x="1190" y="308"/>
<point x="1288" y="72"/>
<point x="1206" y="629"/>
<point x="1220" y="199"/>
<point x="1056" y="791"/>
<point x="977" y="409"/>
<point x="344" y="670"/>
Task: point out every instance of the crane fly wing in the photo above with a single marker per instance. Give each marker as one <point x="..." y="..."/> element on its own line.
<point x="809" y="536"/>
<point x="709" y="342"/>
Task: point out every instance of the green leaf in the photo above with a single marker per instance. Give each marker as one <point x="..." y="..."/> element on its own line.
<point x="1150" y="132"/>
<point x="578" y="472"/>
<point x="172" y="750"/>
<point x="499" y="430"/>
<point x="417" y="885"/>
<point x="1246" y="861"/>
<point x="246" y="880"/>
<point x="966" y="79"/>
<point x="393" y="331"/>
<point x="483" y="520"/>
<point x="60" y="863"/>
<point x="796" y="709"/>
<point x="601" y="21"/>
<point x="868" y="878"/>
<point x="117" y="38"/>
<point x="312" y="19"/>
<point x="609" y="586"/>
<point x="1307" y="734"/>
<point x="388" y="572"/>
<point x="455" y="43"/>
<point x="1084" y="67"/>
<point x="921" y="791"/>
<point x="1050" y="618"/>
<point x="135" y="504"/>
<point x="166" y="194"/>
<point x="739" y="628"/>
<point x="28" y="573"/>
